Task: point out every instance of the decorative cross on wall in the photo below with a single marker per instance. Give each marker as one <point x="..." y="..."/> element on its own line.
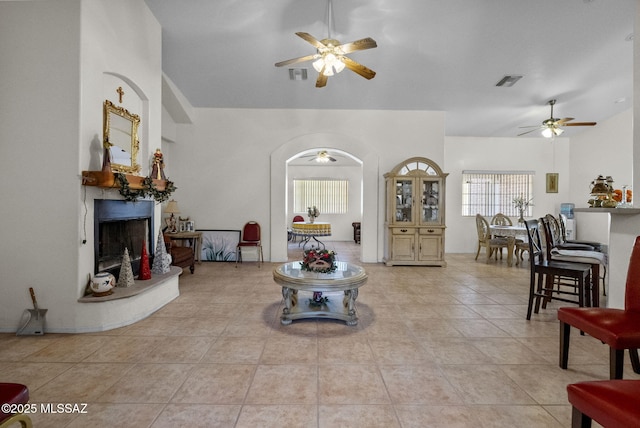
<point x="120" y="93"/>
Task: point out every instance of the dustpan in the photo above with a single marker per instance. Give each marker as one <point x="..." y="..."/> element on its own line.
<point x="34" y="319"/>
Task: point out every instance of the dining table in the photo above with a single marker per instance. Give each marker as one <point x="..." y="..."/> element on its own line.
<point x="511" y="233"/>
<point x="309" y="231"/>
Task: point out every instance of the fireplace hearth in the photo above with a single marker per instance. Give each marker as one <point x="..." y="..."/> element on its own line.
<point x="119" y="225"/>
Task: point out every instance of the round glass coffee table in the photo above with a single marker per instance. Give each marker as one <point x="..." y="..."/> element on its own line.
<point x="317" y="295"/>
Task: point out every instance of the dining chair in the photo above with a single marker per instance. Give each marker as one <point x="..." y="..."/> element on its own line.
<point x="485" y="239"/>
<point x="544" y="271"/>
<point x="520" y="246"/>
<point x="501" y="220"/>
<point x="618" y="328"/>
<point x="611" y="403"/>
<point x="250" y="238"/>
<point x="292" y="236"/>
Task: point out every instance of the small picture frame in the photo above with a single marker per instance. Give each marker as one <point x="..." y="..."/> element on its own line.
<point x="190" y="226"/>
<point x="552" y="182"/>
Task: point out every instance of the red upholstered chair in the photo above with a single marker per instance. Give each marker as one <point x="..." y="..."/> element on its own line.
<point x="618" y="328"/>
<point x="296" y="219"/>
<point x="611" y="403"/>
<point x="250" y="238"/>
<point x="14" y="393"/>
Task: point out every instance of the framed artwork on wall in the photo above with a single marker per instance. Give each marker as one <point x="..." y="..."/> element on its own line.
<point x="552" y="182"/>
<point x="219" y="245"/>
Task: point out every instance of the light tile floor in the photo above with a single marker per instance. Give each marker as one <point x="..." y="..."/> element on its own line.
<point x="435" y="347"/>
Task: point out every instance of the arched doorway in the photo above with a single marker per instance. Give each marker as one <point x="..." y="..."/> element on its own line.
<point x="370" y="242"/>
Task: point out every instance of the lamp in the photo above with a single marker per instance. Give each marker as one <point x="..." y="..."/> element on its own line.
<point x="328" y="63"/>
<point x="172" y="208"/>
<point x="322" y="157"/>
<point x="551" y="132"/>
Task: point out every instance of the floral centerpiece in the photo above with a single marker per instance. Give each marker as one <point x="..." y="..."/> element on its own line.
<point x="316" y="260"/>
<point x="521" y="205"/>
<point x="312" y="212"/>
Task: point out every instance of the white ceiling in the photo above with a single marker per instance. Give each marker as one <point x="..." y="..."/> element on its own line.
<point x="444" y="55"/>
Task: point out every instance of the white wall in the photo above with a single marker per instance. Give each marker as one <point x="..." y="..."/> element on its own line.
<point x="39" y="129"/>
<point x="501" y="154"/>
<point x="606" y="149"/>
<point x="51" y="130"/>
<point x="221" y="164"/>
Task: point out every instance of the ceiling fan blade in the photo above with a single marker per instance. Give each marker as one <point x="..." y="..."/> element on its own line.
<point x="580" y="124"/>
<point x="358" y="45"/>
<point x="332" y="159"/>
<point x="363" y="71"/>
<point x="321" y="82"/>
<point x="527" y="132"/>
<point x="531" y="126"/>
<point x="309" y="38"/>
<point x="297" y="60"/>
<point x="564" y="120"/>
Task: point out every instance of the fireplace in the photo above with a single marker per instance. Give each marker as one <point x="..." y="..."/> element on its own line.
<point x="119" y="225"/>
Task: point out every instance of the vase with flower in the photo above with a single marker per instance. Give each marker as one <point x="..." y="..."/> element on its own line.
<point x="521" y="205"/>
<point x="312" y="212"/>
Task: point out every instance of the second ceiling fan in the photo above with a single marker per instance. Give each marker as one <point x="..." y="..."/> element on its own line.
<point x="552" y="126"/>
<point x="330" y="57"/>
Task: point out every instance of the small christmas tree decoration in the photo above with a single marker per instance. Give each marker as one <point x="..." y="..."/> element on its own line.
<point x="161" y="260"/>
<point x="145" y="270"/>
<point x="125" y="278"/>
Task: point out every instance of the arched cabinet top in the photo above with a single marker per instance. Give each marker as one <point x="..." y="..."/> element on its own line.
<point x="417" y="166"/>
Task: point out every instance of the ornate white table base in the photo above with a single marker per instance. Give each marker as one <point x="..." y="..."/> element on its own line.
<point x="298" y="308"/>
<point x="340" y="288"/>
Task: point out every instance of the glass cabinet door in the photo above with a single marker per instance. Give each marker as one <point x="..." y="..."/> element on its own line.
<point x="404" y="200"/>
<point x="430" y="201"/>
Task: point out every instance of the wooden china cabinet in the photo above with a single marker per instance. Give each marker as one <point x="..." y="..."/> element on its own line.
<point x="414" y="215"/>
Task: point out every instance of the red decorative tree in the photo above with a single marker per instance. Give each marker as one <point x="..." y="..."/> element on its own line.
<point x="145" y="270"/>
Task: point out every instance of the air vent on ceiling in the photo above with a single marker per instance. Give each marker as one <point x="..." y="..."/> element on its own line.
<point x="508" y="81"/>
<point x="298" y="74"/>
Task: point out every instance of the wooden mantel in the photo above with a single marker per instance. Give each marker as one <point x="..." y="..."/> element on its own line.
<point x="108" y="179"/>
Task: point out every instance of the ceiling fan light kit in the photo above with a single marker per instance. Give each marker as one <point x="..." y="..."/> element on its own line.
<point x="330" y="57"/>
<point x="552" y="127"/>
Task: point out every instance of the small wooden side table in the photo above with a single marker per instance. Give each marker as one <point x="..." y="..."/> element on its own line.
<point x="194" y="238"/>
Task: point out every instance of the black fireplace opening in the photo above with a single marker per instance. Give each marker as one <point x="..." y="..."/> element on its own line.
<point x="120" y="225"/>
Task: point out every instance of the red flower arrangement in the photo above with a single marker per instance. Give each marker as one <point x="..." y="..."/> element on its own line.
<point x="316" y="260"/>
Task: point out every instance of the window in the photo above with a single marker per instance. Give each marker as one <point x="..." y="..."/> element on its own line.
<point x="329" y="196"/>
<point x="492" y="192"/>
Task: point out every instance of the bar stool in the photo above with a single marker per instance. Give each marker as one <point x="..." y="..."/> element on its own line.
<point x="545" y="271"/>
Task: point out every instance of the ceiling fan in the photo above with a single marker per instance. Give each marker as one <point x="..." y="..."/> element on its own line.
<point x="330" y="57"/>
<point x="552" y="126"/>
<point x="321" y="157"/>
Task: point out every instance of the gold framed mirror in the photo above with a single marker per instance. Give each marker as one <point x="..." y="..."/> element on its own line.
<point x="120" y="134"/>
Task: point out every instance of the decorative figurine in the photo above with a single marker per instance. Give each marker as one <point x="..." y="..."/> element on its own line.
<point x="161" y="260"/>
<point x="145" y="270"/>
<point x="157" y="170"/>
<point x="125" y="278"/>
